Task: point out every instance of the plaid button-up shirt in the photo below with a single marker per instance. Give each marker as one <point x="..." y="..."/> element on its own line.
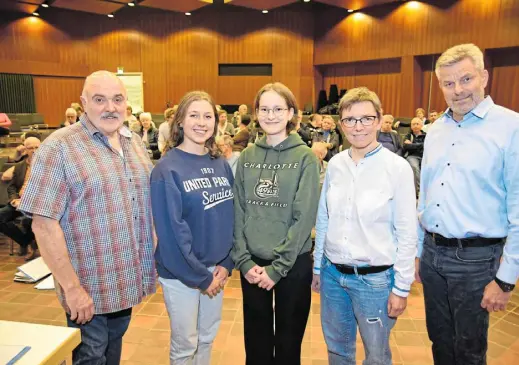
<point x="102" y="201"/>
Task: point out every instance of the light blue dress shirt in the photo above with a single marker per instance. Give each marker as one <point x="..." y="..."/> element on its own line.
<point x="470" y="180"/>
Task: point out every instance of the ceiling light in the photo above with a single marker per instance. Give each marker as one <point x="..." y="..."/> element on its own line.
<point x="350" y="10"/>
<point x="264" y="11"/>
<point x="36" y="13"/>
<point x="188" y="13"/>
<point x="306" y="1"/>
<point x="110" y="15"/>
<point x="131" y="4"/>
<point x="45" y="5"/>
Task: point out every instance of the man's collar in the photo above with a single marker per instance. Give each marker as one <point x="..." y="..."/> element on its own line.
<point x="480" y="111"/>
<point x="92" y="129"/>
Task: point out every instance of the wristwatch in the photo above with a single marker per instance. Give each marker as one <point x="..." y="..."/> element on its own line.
<point x="504" y="286"/>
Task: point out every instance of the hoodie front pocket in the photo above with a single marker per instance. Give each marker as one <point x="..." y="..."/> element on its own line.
<point x="261" y="231"/>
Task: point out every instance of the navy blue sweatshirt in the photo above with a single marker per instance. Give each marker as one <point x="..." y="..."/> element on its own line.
<point x="193" y="212"/>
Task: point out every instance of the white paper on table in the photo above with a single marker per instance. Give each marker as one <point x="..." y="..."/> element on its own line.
<point x="46" y="284"/>
<point x="35" y="270"/>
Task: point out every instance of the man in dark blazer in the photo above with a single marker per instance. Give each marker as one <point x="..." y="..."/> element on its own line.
<point x="23" y="236"/>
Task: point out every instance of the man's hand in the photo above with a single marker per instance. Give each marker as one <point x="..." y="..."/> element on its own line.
<point x="21" y="150"/>
<point x="80" y="304"/>
<point x="15" y="203"/>
<point x="265" y="281"/>
<point x="214" y="288"/>
<point x="221" y="274"/>
<point x="316" y="283"/>
<point x="417" y="270"/>
<point x="407" y="141"/>
<point x="395" y="305"/>
<point x="253" y="276"/>
<point x="495" y="299"/>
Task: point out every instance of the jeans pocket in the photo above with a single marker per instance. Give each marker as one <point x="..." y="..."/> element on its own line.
<point x="377" y="281"/>
<point x="475" y="254"/>
<point x="325" y="263"/>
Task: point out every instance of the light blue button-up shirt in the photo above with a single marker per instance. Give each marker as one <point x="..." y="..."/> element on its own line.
<point x="470" y="180"/>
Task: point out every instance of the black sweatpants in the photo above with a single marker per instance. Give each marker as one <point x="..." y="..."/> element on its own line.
<point x="263" y="346"/>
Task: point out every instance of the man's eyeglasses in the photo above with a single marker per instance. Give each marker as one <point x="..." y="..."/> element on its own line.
<point x="366" y="121"/>
<point x="277" y="111"/>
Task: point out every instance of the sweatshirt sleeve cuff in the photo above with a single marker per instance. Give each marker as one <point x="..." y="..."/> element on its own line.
<point x="401" y="290"/>
<point x="273" y="275"/>
<point x="207" y="281"/>
<point x="246" y="266"/>
<point x="228" y="264"/>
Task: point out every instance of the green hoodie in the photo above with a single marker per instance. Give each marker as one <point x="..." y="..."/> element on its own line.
<point x="276" y="194"/>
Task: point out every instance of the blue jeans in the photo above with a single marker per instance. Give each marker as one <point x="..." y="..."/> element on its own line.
<point x="454" y="280"/>
<point x="101" y="338"/>
<point x="351" y="300"/>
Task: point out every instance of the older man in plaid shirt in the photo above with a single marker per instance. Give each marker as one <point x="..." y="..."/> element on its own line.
<point x="89" y="195"/>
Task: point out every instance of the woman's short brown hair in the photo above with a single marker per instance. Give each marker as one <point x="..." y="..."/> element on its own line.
<point x="359" y="95"/>
<point x="177" y="131"/>
<point x="286" y="94"/>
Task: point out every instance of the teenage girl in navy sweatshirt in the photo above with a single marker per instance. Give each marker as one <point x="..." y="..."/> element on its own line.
<point x="192" y="201"/>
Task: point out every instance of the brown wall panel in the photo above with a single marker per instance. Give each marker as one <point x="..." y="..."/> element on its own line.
<point x="505" y="77"/>
<point x="382" y="77"/>
<point x="415" y="28"/>
<point x="53" y="96"/>
<point x="175" y="53"/>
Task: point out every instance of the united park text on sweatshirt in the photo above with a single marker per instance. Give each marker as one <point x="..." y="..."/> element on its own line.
<point x="192" y="202"/>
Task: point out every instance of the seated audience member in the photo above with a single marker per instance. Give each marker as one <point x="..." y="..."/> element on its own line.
<point x="243" y="110"/>
<point x="328" y="136"/>
<point x="225" y="144"/>
<point x="24" y="237"/>
<point x="314" y="125"/>
<point x="433" y="117"/>
<point x="236" y="119"/>
<point x="70" y="117"/>
<point x="420" y="114"/>
<point x="334" y="128"/>
<point x="131" y="121"/>
<point x="5" y="123"/>
<point x="224" y="127"/>
<point x="388" y="137"/>
<point x="20" y="153"/>
<point x="79" y="110"/>
<point x="165" y="128"/>
<point x="149" y="135"/>
<point x="413" y="149"/>
<point x="256" y="132"/>
<point x="320" y="150"/>
<point x="241" y="139"/>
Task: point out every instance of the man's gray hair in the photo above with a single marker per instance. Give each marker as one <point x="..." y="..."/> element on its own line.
<point x="457" y="53"/>
<point x="70" y="111"/>
<point x="145" y="115"/>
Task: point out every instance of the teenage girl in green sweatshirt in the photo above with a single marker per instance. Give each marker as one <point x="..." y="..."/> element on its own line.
<point x="276" y="197"/>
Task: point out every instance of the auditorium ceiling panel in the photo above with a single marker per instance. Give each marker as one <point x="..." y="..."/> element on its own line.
<point x="175" y="5"/>
<point x="19" y="7"/>
<point x="89" y="6"/>
<point x="110" y="6"/>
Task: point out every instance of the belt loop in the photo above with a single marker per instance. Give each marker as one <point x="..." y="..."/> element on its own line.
<point x="355" y="270"/>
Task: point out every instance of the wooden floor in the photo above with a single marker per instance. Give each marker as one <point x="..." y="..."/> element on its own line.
<point x="147" y="339"/>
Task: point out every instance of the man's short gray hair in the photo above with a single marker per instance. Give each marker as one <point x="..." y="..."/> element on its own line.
<point x="70" y="111"/>
<point x="145" y="115"/>
<point x="457" y="53"/>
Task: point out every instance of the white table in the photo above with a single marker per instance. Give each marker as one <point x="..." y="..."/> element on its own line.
<point x="50" y="345"/>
